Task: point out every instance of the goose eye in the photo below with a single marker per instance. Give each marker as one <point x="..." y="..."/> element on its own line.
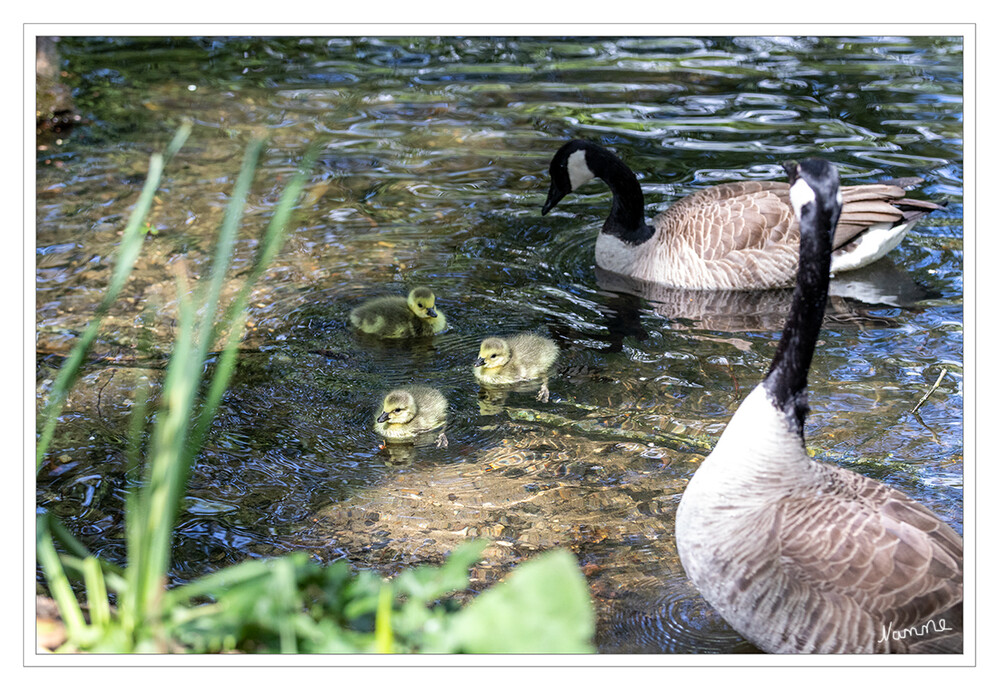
<point x="420" y="305"/>
<point x="493" y="356"/>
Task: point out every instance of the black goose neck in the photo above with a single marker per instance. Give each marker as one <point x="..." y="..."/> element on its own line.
<point x="787" y="378"/>
<point x="627" y="216"/>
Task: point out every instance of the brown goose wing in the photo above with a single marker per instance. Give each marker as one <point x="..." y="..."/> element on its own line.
<point x="866" y="205"/>
<point x="732" y="217"/>
<point x="754" y="214"/>
<point x="894" y="560"/>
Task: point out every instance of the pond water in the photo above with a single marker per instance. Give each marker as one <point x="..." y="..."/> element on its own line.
<point x="433" y="172"/>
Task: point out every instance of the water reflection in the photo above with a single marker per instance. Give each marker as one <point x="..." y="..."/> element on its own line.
<point x="881" y="283"/>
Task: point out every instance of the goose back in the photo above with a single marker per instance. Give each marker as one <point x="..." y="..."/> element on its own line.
<point x="743" y="236"/>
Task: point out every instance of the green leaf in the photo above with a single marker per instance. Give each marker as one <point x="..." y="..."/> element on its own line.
<point x="427" y="583"/>
<point x="543" y="607"/>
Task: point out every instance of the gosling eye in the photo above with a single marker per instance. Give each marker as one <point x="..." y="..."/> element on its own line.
<point x="493" y="356"/>
<point x="420" y="305"/>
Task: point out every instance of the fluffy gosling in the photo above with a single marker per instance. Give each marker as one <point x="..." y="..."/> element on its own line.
<point x="409" y="412"/>
<point x="400" y="317"/>
<point x="522" y="357"/>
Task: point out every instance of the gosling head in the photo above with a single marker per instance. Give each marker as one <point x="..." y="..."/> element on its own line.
<point x="494" y="352"/>
<point x="421" y="303"/>
<point x="398" y="407"/>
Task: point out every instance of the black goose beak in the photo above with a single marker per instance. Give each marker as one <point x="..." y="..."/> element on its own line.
<point x="479" y="362"/>
<point x="383" y="417"/>
<point x="554" y="196"/>
<point x="432" y="313"/>
<point x="791" y="168"/>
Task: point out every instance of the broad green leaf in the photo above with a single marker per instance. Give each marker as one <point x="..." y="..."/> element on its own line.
<point x="543" y="607"/>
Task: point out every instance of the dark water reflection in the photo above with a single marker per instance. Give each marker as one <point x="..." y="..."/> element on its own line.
<point x="434" y="173"/>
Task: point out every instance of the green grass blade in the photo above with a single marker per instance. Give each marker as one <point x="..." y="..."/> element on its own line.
<point x="156" y="507"/>
<point x="59" y="587"/>
<point x="227" y="240"/>
<point x="75" y="547"/>
<point x="74" y="567"/>
<point x="128" y="252"/>
<point x="179" y="138"/>
<point x="287" y="591"/>
<point x="97" y="593"/>
<point x="172" y="451"/>
<point x="383" y="620"/>
<point x="235" y="318"/>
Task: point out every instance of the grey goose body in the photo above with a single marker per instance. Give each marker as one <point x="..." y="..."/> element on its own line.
<point x="733" y="236"/>
<point x="802" y="556"/>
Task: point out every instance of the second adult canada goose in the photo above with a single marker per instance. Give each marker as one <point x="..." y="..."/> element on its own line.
<point x="408" y="413"/>
<point x="522" y="357"/>
<point x="803" y="556"/>
<point x="734" y="236"/>
<point x="400" y="317"/>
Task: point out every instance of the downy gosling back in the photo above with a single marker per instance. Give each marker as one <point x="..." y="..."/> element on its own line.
<point x="400" y="317"/>
<point x="408" y="413"/>
<point x="522" y="357"/>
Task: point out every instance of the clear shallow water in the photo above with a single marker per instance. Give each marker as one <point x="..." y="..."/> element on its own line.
<point x="434" y="172"/>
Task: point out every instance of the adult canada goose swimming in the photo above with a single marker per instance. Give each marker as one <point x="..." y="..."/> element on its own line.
<point x="410" y="412"/>
<point x="400" y="317"/>
<point x="523" y="357"/>
<point x="802" y="556"/>
<point x="734" y="236"/>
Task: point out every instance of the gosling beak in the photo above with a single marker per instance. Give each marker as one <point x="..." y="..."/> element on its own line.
<point x="554" y="196"/>
<point x="432" y="313"/>
<point x="383" y="417"/>
<point x="480" y="362"/>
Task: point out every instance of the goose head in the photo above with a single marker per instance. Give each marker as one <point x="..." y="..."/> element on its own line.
<point x="569" y="170"/>
<point x="421" y="302"/>
<point x="815" y="192"/>
<point x="576" y="163"/>
<point x="398" y="407"/>
<point x="493" y="353"/>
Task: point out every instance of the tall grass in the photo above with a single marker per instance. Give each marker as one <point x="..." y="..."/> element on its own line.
<point x="181" y="421"/>
<point x="289" y="604"/>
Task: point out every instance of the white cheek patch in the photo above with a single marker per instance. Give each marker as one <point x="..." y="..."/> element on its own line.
<point x="579" y="171"/>
<point x="801" y="194"/>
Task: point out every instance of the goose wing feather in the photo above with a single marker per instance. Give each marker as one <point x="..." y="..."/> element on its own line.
<point x="739" y="216"/>
<point x="867" y="543"/>
<point x="743" y="235"/>
<point x="870" y="204"/>
<point x="733" y="217"/>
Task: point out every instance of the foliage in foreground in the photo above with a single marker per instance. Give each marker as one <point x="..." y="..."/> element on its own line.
<point x="290" y="604"/>
<point x="295" y="605"/>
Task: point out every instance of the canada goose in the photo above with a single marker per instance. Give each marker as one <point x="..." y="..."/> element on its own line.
<point x="802" y="556"/>
<point x="400" y="317"/>
<point x="522" y="357"/>
<point x="409" y="412"/>
<point x="734" y="236"/>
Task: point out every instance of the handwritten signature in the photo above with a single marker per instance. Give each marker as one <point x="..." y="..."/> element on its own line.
<point x="915" y="631"/>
